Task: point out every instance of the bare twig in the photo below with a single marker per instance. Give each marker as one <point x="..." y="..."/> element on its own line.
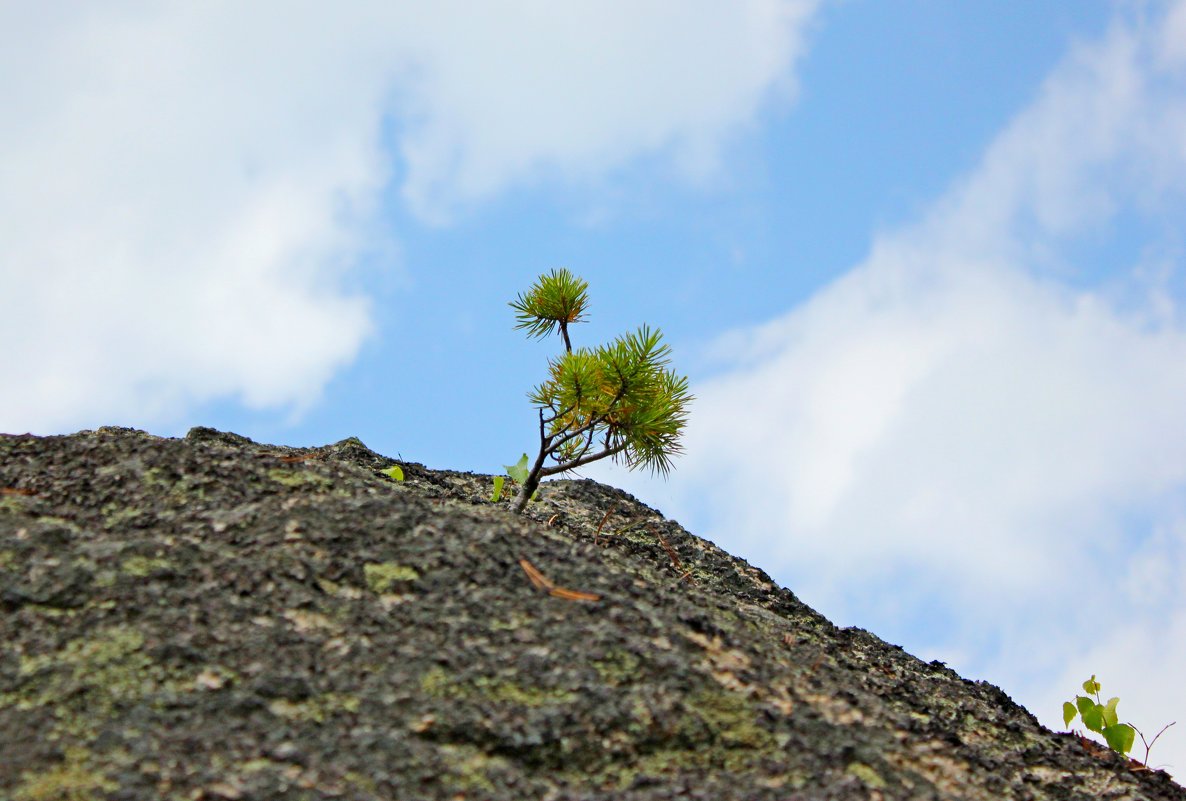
<point x="666" y="547"/>
<point x="573" y="595"/>
<point x="541" y="582"/>
<point x="537" y="578"/>
<point x="301" y="458"/>
<point x="671" y="554"/>
<point x="564" y="468"/>
<point x="601" y="525"/>
<point x="1149" y="743"/>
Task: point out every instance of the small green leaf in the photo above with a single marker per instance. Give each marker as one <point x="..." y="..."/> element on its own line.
<point x="1068" y="713"/>
<point x="498" y="481"/>
<point x="1093" y="718"/>
<point x="1110" y="718"/>
<point x="1091" y="686"/>
<point x="518" y="470"/>
<point x="1120" y="737"/>
<point x="395" y="471"/>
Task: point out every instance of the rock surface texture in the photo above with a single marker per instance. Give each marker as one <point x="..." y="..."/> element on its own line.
<point x="210" y="618"/>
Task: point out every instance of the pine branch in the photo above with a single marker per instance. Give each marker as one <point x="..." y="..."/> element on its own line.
<point x="573" y="465"/>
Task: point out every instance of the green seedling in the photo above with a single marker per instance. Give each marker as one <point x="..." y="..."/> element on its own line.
<point x="618" y="400"/>
<point x="517" y="473"/>
<point x="1101" y="718"/>
<point x="395" y="471"/>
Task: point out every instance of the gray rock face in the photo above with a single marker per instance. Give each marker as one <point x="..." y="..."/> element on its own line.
<point x="208" y="618"/>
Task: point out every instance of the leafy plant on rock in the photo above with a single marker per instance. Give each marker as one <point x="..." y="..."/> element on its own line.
<point x="618" y="400"/>
<point x="1101" y="718"/>
<point x="516" y="472"/>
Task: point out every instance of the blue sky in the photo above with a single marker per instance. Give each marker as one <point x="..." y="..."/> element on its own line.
<point x="922" y="262"/>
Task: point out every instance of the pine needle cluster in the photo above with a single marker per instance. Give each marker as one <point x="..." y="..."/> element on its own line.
<point x="619" y="400"/>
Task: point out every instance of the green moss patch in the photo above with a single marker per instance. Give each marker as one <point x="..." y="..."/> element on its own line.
<point x="142" y="566"/>
<point x="86" y="680"/>
<point x="73" y="780"/>
<point x="436" y="682"/>
<point x="315" y="710"/>
<point x="385" y="576"/>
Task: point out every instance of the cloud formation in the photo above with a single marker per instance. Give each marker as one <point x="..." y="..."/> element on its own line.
<point x="575" y="90"/>
<point x="184" y="188"/>
<point x="968" y="436"/>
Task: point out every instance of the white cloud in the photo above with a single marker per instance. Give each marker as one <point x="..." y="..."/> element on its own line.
<point x="963" y="440"/>
<point x="176" y="212"/>
<point x="183" y="187"/>
<point x="580" y="88"/>
<point x="960" y="419"/>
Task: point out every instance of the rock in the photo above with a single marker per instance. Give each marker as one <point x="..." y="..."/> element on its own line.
<point x="209" y="617"/>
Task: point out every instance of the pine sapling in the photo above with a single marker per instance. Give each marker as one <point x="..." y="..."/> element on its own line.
<point x="618" y="400"/>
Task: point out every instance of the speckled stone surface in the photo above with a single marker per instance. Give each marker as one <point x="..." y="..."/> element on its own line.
<point x="210" y="618"/>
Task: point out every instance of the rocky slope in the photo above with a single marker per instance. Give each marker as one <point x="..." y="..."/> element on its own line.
<point x="208" y="618"/>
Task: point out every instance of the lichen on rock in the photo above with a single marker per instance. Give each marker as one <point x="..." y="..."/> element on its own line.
<point x="212" y="618"/>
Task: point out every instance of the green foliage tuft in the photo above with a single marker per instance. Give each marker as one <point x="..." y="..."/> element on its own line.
<point x="555" y="300"/>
